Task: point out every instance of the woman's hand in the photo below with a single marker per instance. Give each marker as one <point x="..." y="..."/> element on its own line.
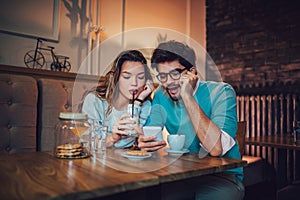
<point x="123" y="125"/>
<point x="148" y="143"/>
<point x="148" y="88"/>
<point x="121" y="128"/>
<point x="138" y="130"/>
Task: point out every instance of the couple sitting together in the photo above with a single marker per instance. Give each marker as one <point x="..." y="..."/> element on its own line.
<point x="184" y="103"/>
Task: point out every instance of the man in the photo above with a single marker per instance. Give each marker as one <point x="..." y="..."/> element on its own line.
<point x="204" y="111"/>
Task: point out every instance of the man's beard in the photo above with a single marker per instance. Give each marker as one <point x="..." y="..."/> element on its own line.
<point x="169" y="89"/>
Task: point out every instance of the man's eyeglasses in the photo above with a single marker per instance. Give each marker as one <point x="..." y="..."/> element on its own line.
<point x="175" y="74"/>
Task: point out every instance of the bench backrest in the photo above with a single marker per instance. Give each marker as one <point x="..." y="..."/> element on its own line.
<point x="18" y="113"/>
<point x="56" y="96"/>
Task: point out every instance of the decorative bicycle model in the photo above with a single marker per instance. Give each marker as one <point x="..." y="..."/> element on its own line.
<point x="35" y="59"/>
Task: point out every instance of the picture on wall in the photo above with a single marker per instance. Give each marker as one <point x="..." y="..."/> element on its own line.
<point x="32" y="18"/>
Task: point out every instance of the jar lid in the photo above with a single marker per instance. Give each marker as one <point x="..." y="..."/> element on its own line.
<point x="72" y="115"/>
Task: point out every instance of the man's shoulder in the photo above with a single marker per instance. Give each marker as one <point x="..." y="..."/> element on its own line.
<point x="159" y="92"/>
<point x="161" y="97"/>
<point x="216" y="85"/>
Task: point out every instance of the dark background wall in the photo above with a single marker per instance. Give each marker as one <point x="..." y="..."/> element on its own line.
<point x="255" y="45"/>
<point x="254" y="41"/>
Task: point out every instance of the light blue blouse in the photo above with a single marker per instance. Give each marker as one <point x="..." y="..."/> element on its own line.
<point x="96" y="108"/>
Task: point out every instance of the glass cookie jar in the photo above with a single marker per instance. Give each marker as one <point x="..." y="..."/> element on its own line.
<point x="72" y="136"/>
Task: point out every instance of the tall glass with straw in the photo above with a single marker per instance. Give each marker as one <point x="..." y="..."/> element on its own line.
<point x="134" y="115"/>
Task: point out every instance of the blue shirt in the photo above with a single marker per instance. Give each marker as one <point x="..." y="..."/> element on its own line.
<point x="218" y="102"/>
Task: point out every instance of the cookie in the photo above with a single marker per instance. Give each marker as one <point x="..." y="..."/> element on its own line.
<point x="69" y="150"/>
<point x="137" y="153"/>
<point x="76" y="153"/>
<point x="69" y="146"/>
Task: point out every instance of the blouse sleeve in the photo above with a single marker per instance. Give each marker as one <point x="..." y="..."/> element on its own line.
<point x="93" y="107"/>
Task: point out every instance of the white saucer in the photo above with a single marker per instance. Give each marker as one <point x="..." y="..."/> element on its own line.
<point x="182" y="151"/>
<point x="131" y="157"/>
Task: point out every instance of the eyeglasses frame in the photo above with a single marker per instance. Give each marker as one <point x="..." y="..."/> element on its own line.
<point x="169" y="74"/>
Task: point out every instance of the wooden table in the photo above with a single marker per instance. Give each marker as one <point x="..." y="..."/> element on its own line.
<point x="276" y="141"/>
<point x="287" y="156"/>
<point x="39" y="175"/>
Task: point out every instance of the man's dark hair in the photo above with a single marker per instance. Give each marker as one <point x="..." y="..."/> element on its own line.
<point x="171" y="51"/>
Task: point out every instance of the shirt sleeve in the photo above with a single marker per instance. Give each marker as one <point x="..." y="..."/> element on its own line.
<point x="227" y="143"/>
<point x="93" y="107"/>
<point x="223" y="114"/>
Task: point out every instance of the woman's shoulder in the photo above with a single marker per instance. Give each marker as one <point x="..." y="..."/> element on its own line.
<point x="92" y="103"/>
<point x="92" y="97"/>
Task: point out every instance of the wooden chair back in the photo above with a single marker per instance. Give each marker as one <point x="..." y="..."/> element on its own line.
<point x="240" y="136"/>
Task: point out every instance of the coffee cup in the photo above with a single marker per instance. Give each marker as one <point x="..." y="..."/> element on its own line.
<point x="176" y="141"/>
<point x="153" y="131"/>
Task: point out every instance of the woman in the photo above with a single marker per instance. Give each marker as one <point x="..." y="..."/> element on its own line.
<point x="129" y="79"/>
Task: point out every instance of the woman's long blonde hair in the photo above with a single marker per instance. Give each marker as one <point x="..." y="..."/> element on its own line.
<point x="108" y="87"/>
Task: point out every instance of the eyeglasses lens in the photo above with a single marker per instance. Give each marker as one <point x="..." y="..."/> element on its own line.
<point x="174" y="74"/>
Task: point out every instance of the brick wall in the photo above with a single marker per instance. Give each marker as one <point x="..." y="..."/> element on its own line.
<point x="256" y="47"/>
<point x="254" y="41"/>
